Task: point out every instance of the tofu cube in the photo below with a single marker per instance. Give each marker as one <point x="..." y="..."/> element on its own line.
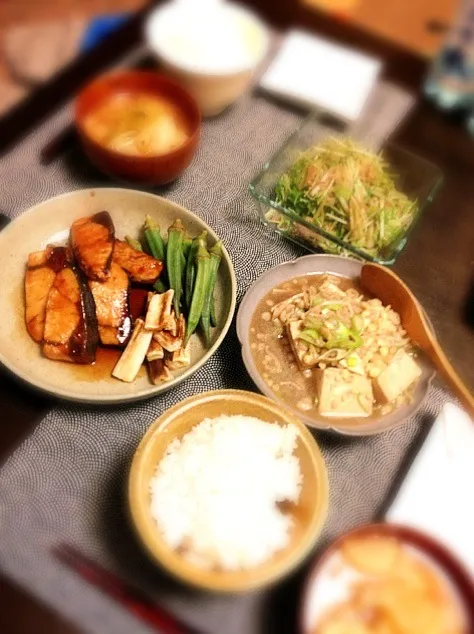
<point x="299" y="347"/>
<point x="402" y="372"/>
<point x="343" y="394"/>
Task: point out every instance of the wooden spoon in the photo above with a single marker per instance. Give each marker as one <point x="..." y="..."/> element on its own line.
<point x="389" y="288"/>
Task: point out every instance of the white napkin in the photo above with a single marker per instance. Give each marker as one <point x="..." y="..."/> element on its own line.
<point x="437" y="495"/>
<point x="313" y="72"/>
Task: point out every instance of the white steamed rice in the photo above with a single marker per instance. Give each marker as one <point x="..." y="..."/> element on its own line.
<point x="215" y="493"/>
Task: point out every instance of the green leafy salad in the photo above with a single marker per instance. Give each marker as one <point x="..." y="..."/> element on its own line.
<point x="348" y="192"/>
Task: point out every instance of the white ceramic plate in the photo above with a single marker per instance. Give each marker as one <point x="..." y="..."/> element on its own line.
<point x="49" y="222"/>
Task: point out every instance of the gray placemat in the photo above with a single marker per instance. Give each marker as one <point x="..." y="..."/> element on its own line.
<point x="66" y="481"/>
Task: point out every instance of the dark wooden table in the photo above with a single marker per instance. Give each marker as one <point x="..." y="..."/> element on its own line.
<point x="438" y="262"/>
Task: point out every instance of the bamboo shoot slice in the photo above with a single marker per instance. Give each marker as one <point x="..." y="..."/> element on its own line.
<point x="131" y="360"/>
<point x="155" y="351"/>
<point x="158" y="316"/>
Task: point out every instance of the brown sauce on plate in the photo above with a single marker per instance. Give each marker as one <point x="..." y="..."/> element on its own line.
<point x="105" y="361"/>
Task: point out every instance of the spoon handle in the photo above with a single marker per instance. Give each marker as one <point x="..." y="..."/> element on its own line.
<point x="452" y="378"/>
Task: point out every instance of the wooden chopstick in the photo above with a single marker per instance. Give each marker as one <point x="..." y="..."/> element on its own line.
<point x="112" y="585"/>
<point x="59" y="144"/>
<point x="4" y="220"/>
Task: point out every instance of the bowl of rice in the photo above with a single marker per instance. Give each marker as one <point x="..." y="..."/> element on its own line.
<point x="213" y="49"/>
<point x="228" y="491"/>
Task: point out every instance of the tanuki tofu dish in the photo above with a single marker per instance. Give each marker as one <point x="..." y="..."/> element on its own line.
<point x="324" y="347"/>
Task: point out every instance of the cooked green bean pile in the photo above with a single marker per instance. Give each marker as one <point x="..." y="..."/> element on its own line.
<point x="191" y="271"/>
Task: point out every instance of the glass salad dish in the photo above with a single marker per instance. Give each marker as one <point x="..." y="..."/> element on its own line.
<point x="344" y="192"/>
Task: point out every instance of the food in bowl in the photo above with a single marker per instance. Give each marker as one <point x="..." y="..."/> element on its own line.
<point x="213" y="49"/>
<point x="308" y="514"/>
<point x="225" y="37"/>
<point x="377" y="583"/>
<point x="348" y="192"/>
<point x="138" y="124"/>
<point x="222" y="495"/>
<point x="319" y="343"/>
<point x="100" y="292"/>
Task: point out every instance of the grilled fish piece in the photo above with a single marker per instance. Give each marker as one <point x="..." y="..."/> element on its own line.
<point x="111" y="306"/>
<point x="110" y="336"/>
<point x="39" y="278"/>
<point x="140" y="266"/>
<point x="70" y="328"/>
<point x="92" y="240"/>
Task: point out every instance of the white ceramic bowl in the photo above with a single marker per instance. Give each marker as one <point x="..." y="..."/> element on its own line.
<point x="212" y="48"/>
<point x="313" y="265"/>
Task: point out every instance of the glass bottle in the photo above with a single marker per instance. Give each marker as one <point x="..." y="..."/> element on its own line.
<point x="450" y="81"/>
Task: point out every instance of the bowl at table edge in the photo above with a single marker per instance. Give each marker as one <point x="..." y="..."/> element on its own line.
<point x="439" y="555"/>
<point x="309" y="515"/>
<point x="48" y="222"/>
<point x="314" y="265"/>
<point x="145" y="170"/>
<point x="214" y="90"/>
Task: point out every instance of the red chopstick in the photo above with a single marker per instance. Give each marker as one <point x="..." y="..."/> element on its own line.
<point x="110" y="583"/>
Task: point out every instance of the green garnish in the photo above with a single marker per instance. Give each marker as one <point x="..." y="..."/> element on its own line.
<point x="327" y="337"/>
<point x="311" y="336"/>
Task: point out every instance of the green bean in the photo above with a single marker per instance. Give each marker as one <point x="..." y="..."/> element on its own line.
<point x="190" y="272"/>
<point x="154" y="239"/>
<point x="203" y="260"/>
<point x="187" y="242"/>
<point x="135" y="244"/>
<point x="215" y="259"/>
<point x="157" y="249"/>
<point x="174" y="262"/>
<point x="212" y="315"/>
<point x="186" y="246"/>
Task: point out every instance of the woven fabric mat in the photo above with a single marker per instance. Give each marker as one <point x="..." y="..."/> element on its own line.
<point x="66" y="481"/>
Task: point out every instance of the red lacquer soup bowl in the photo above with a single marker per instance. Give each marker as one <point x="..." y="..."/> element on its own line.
<point x="146" y="169"/>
